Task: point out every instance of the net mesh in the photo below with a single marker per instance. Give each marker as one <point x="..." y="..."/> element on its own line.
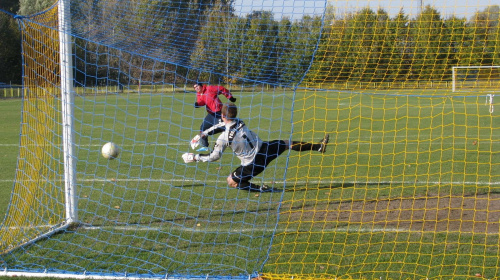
<point x="408" y="186"/>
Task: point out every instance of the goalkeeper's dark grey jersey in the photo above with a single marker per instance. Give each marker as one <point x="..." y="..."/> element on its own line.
<point x="244" y="143"/>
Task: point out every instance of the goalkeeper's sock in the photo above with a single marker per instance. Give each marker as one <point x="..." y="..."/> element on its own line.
<point x="247" y="186"/>
<point x="304" y="146"/>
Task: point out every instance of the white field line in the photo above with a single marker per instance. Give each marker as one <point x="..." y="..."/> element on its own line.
<point x="277" y="182"/>
<point x="256" y="229"/>
<point x="99" y="145"/>
<point x="216" y="229"/>
<point x="411" y="141"/>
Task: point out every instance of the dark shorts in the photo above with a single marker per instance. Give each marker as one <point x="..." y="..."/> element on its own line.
<point x="210" y="120"/>
<point x="267" y="153"/>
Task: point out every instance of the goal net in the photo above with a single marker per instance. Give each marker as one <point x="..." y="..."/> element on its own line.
<point x="408" y="186"/>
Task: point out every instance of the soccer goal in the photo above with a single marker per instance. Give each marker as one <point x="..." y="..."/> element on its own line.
<point x="479" y="79"/>
<point x="407" y="188"/>
<point x="468" y="78"/>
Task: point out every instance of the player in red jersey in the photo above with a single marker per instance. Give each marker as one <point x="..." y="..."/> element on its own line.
<point x="208" y="96"/>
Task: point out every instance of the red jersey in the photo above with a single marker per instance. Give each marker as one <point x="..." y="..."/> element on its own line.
<point x="208" y="96"/>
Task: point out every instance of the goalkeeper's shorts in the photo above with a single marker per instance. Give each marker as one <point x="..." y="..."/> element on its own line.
<point x="267" y="153"/>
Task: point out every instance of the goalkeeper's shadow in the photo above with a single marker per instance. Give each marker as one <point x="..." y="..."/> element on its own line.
<point x="301" y="187"/>
<point x="189" y="186"/>
<point x="293" y="188"/>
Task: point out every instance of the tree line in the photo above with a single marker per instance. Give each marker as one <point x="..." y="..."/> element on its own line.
<point x="371" y="46"/>
<point x="218" y="46"/>
<point x="10" y="36"/>
<point x="364" y="45"/>
<point x="207" y="41"/>
<point x="10" y="44"/>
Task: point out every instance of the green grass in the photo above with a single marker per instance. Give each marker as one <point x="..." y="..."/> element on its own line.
<point x="10" y="119"/>
<point x="383" y="148"/>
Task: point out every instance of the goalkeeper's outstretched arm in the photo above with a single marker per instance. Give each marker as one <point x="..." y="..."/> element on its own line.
<point x="195" y="142"/>
<point x="214" y="129"/>
<point x="215" y="155"/>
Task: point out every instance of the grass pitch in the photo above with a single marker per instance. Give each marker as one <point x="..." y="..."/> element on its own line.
<point x="375" y="205"/>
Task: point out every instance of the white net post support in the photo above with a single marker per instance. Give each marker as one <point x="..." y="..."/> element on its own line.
<point x="453" y="79"/>
<point x="489" y="101"/>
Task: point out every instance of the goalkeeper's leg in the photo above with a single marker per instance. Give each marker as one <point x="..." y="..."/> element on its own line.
<point x="304" y="146"/>
<point x="240" y="179"/>
<point x="249" y="186"/>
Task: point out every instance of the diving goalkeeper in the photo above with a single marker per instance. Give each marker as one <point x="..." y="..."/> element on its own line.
<point x="255" y="154"/>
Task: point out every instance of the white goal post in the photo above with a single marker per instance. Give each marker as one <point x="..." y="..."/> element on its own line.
<point x="67" y="100"/>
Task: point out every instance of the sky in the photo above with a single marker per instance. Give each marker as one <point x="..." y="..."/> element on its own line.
<point x="296" y="8"/>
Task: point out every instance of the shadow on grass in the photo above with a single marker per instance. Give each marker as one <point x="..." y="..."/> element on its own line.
<point x="331" y="186"/>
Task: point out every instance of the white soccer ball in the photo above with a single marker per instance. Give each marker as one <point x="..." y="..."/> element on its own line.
<point x="110" y="150"/>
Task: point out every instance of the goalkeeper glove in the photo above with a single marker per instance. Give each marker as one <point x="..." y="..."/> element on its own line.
<point x="232" y="99"/>
<point x="190" y="157"/>
<point x="195" y="142"/>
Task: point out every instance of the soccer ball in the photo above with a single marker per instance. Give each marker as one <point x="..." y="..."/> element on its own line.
<point x="110" y="150"/>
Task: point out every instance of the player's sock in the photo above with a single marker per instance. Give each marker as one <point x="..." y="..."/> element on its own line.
<point x="249" y="186"/>
<point x="203" y="149"/>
